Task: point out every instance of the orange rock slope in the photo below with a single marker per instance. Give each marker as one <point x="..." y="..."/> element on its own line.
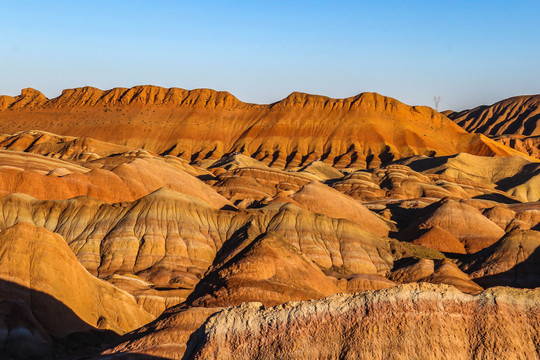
<point x="360" y="131"/>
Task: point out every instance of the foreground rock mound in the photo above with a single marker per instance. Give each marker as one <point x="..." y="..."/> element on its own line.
<point x="417" y="321"/>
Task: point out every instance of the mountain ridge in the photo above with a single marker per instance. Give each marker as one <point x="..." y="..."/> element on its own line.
<point x="356" y="132"/>
<point x="151" y="95"/>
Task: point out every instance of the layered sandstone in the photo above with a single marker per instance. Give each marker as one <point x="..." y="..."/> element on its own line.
<point x="45" y="178"/>
<point x="268" y="270"/>
<point x="517" y="176"/>
<point x="168" y="240"/>
<point x="408" y="321"/>
<point x="179" y="205"/>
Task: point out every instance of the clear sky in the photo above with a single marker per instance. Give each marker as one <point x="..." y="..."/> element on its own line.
<point x="467" y="52"/>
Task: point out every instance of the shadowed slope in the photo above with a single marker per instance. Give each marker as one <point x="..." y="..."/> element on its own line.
<point x="512" y="261"/>
<point x="39" y="260"/>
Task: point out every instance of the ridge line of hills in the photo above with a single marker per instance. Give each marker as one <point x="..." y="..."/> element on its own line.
<point x="151" y="95"/>
<point x="363" y="131"/>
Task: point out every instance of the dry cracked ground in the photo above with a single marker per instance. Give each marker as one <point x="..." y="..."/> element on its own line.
<point x="152" y="223"/>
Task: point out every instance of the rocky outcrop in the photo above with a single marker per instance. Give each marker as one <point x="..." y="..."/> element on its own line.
<point x="408" y="321"/>
<point x="269" y="270"/>
<point x="413" y="270"/>
<point x="441" y="240"/>
<point x="168" y="239"/>
<point x="163" y="237"/>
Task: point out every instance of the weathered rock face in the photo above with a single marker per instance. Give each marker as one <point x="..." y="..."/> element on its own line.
<point x="156" y="248"/>
<point x="404" y="322"/>
<point x="354" y="132"/>
<point x="170" y="335"/>
<point x="132" y="237"/>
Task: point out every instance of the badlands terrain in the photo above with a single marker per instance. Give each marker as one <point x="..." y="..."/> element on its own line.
<point x="153" y="223"/>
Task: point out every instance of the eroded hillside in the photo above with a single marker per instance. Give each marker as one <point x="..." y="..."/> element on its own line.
<point x="187" y="224"/>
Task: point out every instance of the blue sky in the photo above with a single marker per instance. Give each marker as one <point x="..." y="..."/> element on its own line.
<point x="467" y="52"/>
